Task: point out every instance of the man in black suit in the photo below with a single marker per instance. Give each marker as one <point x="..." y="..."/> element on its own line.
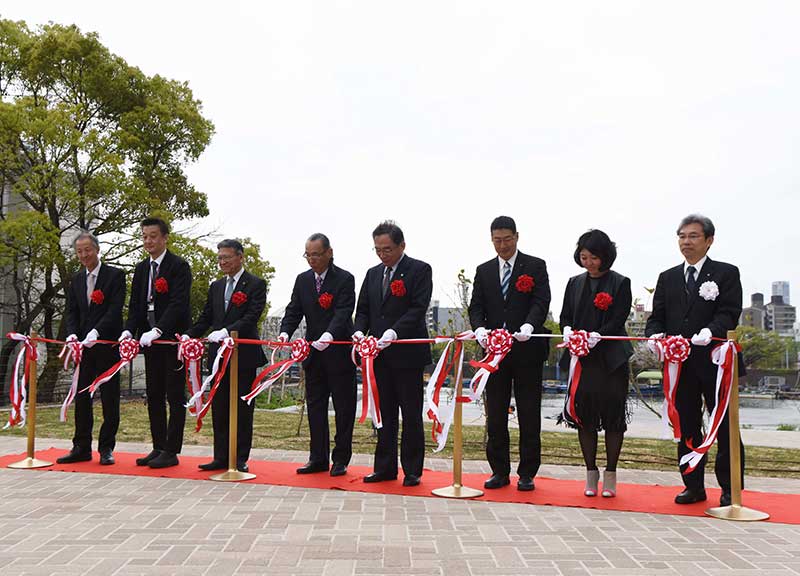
<point x="94" y="311"/>
<point x="325" y="295"/>
<point x="158" y="309"/>
<point x="698" y="299"/>
<point x="393" y="301"/>
<point x="512" y="292"/>
<point x="235" y="302"/>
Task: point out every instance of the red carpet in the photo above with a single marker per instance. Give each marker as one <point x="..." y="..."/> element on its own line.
<point x="783" y="508"/>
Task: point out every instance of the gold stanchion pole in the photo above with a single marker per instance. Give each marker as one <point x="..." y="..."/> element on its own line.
<point x="456" y="490"/>
<point x="232" y="474"/>
<point x="735" y="511"/>
<point x="30" y="461"/>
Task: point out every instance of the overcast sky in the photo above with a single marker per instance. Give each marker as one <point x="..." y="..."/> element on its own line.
<point x="624" y="116"/>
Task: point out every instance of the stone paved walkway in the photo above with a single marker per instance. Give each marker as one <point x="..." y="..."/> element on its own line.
<point x="92" y="524"/>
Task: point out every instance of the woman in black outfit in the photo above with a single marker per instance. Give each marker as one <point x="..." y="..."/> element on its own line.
<point x="599" y="301"/>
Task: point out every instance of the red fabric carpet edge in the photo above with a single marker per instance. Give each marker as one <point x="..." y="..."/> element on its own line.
<point x="653" y="499"/>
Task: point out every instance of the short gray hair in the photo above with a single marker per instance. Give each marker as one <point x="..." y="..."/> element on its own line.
<point x="235" y="245"/>
<point x="704" y="221"/>
<point x="86" y="234"/>
<point x="319" y="236"/>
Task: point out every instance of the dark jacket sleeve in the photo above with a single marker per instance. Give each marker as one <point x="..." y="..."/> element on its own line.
<point x="294" y="310"/>
<point x="362" y="309"/>
<point x="729" y="304"/>
<point x="115" y="300"/>
<point x="178" y="298"/>
<point x="204" y="320"/>
<point x="477" y="314"/>
<point x="567" y="314"/>
<point x="135" y="302"/>
<point x="344" y="303"/>
<point x="657" y="322"/>
<point x="540" y="301"/>
<point x="73" y="311"/>
<point x="619" y="311"/>
<point x="256" y="302"/>
<point x="406" y="326"/>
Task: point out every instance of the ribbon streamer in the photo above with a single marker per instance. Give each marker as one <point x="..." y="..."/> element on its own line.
<point x="498" y="346"/>
<point x="724" y="357"/>
<point x="217" y="372"/>
<point x="673" y="351"/>
<point x="578" y="346"/>
<point x="72" y="351"/>
<point x="190" y="353"/>
<point x="367" y="349"/>
<point x="128" y="349"/>
<point x="17" y="391"/>
<point x="442" y="416"/>
<point x="269" y="375"/>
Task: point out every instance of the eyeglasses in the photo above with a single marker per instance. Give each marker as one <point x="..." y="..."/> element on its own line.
<point x="313" y="255"/>
<point x="385" y="251"/>
<point x="690" y="237"/>
<point x="225" y="258"/>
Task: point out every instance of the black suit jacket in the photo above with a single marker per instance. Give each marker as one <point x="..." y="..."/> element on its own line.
<point x="676" y="312"/>
<point x="106" y="318"/>
<point x="338" y="319"/>
<point x="172" y="311"/>
<point x="488" y="308"/>
<point x="243" y="318"/>
<point x="376" y="312"/>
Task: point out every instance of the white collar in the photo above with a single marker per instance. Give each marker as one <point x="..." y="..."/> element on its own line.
<point x="511" y="260"/>
<point x="158" y="260"/>
<point x="96" y="270"/>
<point x="236" y="276"/>
<point x="322" y="276"/>
<point x="697" y="266"/>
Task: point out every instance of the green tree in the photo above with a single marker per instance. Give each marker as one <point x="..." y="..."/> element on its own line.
<point x="87" y="141"/>
<point x="761" y="348"/>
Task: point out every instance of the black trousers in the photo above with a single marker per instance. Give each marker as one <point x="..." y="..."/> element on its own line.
<point x="220" y="417"/>
<point x="400" y="389"/>
<point x="697" y="382"/>
<point x="323" y="383"/>
<point x="523" y="375"/>
<point x="165" y="384"/>
<point x="94" y="363"/>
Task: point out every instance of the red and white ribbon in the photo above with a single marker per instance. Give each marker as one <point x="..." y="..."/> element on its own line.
<point x="217" y="372"/>
<point x="190" y="352"/>
<point x="578" y="346"/>
<point x="498" y="345"/>
<point x="367" y="349"/>
<point x="128" y="349"/>
<point x="724" y="356"/>
<point x="673" y="352"/>
<point x="72" y="351"/>
<point x="442" y="416"/>
<point x="17" y="391"/>
<point x="269" y="375"/>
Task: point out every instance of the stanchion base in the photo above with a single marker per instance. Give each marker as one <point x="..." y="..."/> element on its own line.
<point x="29" y="463"/>
<point x="737" y="513"/>
<point x="232" y="476"/>
<point x="457" y="491"/>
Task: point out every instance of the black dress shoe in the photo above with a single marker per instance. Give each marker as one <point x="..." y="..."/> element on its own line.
<point x="213" y="465"/>
<point x="312" y="467"/>
<point x="411" y="480"/>
<point x="75" y="456"/>
<point x="339" y="470"/>
<point x="525" y="484"/>
<point x="106" y="457"/>
<point x="496" y="481"/>
<point x="690" y="496"/>
<point x="243" y="467"/>
<point x="725" y="499"/>
<point x="376" y="477"/>
<point x="164" y="460"/>
<point x="145" y="460"/>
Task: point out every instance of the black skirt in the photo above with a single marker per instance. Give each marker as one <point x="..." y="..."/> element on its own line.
<point x="601" y="401"/>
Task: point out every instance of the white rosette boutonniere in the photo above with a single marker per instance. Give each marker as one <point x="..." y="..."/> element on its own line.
<point x="709" y="291"/>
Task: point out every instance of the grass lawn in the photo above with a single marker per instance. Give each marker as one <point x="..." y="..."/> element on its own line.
<point x="286" y="432"/>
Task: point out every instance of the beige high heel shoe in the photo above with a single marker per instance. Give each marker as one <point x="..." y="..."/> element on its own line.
<point x="609" y="484"/>
<point x="592" y="478"/>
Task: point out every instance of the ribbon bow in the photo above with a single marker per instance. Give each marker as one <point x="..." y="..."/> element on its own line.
<point x="367" y="349"/>
<point x="672" y="351"/>
<point x="300" y="349"/>
<point x="17" y="391"/>
<point x="128" y="349"/>
<point x="578" y="346"/>
<point x="498" y="345"/>
<point x="190" y="352"/>
<point x="72" y="351"/>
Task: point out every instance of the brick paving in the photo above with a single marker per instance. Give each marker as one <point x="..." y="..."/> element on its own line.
<point x="90" y="524"/>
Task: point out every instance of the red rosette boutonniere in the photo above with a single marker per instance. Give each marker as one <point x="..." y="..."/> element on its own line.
<point x="325" y="300"/>
<point x="603" y="300"/>
<point x="97" y="297"/>
<point x="162" y="287"/>
<point x="398" y="288"/>
<point x="524" y="284"/>
<point x="238" y="298"/>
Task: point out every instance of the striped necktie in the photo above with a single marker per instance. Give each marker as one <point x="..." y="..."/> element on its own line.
<point x="506" y="278"/>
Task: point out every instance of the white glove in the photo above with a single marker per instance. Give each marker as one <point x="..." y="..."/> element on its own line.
<point x="388" y="337"/>
<point x="124" y="336"/>
<point x="283" y="337"/>
<point x="72" y="338"/>
<point x="594" y="338"/>
<point x="702" y="338"/>
<point x="358" y="335"/>
<point x="322" y="343"/>
<point x="91" y="338"/>
<point x="524" y="333"/>
<point x="185" y="337"/>
<point x="217" y="335"/>
<point x="651" y="344"/>
<point x="481" y="336"/>
<point x="148" y="337"/>
<point x="567" y="332"/>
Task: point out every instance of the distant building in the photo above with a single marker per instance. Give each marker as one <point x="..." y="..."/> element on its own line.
<point x="637" y="320"/>
<point x="781" y="288"/>
<point x="443" y="320"/>
<point x="755" y="314"/>
<point x="780" y="317"/>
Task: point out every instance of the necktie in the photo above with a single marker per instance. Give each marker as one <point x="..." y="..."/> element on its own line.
<point x="319" y="283"/>
<point x="387" y="274"/>
<point x="153" y="274"/>
<point x="506" y="278"/>
<point x="89" y="287"/>
<point x="691" y="283"/>
<point x="228" y="292"/>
